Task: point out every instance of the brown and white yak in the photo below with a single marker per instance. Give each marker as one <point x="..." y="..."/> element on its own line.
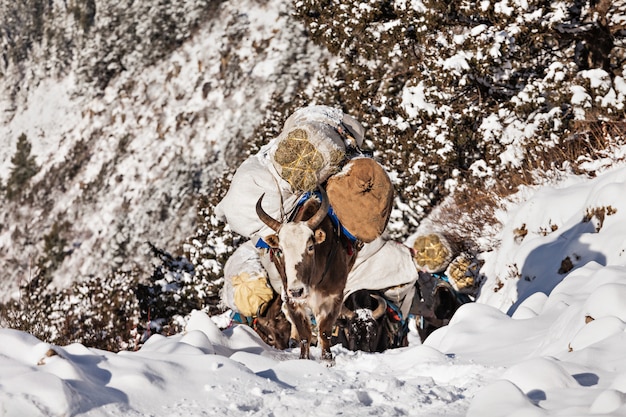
<point x="313" y="260"/>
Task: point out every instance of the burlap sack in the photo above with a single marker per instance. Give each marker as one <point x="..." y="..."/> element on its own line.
<point x="362" y="196"/>
<point x="432" y="252"/>
<point x="246" y="286"/>
<point x="251" y="292"/>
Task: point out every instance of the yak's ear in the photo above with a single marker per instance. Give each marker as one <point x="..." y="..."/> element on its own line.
<point x="272" y="241"/>
<point x="320" y="236"/>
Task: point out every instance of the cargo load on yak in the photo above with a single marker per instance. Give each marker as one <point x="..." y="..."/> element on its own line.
<point x="319" y="146"/>
<point x="246" y="287"/>
<point x="378" y="297"/>
<point x="432" y="252"/>
<point x="314" y="144"/>
<point x="446" y="281"/>
<point x="362" y="196"/>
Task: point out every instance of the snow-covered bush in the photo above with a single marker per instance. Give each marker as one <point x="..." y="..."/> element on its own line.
<point x="102" y="37"/>
<point x="447" y="87"/>
<point x="173" y="291"/>
<point x="98" y="312"/>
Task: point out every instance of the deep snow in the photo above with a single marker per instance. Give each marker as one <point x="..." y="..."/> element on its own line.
<point x="545" y="357"/>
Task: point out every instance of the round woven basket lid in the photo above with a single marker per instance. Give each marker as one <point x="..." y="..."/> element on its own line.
<point x="432" y="252"/>
<point x="304" y="160"/>
<point x="362" y="196"/>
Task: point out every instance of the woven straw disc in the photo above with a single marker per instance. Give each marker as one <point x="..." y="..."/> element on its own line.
<point x="432" y="252"/>
<point x="301" y="161"/>
<point x="462" y="270"/>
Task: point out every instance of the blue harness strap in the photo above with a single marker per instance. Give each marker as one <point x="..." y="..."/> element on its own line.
<point x="401" y="327"/>
<point x="237" y="317"/>
<point x="395" y="311"/>
<point x="261" y="244"/>
<point x="337" y="224"/>
<point x="331" y="214"/>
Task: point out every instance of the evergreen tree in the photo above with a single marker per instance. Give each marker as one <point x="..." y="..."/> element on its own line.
<point x="24" y="168"/>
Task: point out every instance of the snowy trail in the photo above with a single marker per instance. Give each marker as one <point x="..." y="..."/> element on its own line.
<point x="207" y="372"/>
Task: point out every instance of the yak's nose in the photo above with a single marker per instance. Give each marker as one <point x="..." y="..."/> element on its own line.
<point x="296" y="293"/>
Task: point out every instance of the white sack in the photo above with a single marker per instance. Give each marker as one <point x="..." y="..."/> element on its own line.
<point x="243" y="262"/>
<point x="329" y="116"/>
<point x="313" y="144"/>
<point x="256" y="176"/>
<point x="385" y="265"/>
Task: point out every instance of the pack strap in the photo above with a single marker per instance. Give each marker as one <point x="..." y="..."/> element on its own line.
<point x="236" y="317"/>
<point x="331" y="214"/>
<point x="394" y="312"/>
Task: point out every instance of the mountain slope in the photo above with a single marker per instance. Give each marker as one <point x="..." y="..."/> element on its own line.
<point x="126" y="166"/>
<point x="122" y="122"/>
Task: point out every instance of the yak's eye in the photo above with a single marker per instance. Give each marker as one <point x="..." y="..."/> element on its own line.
<point x="310" y="247"/>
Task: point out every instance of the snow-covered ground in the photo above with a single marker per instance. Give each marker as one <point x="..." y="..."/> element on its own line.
<point x="546" y="338"/>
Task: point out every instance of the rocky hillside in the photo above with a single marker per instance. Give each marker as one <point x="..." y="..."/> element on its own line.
<point x="128" y="113"/>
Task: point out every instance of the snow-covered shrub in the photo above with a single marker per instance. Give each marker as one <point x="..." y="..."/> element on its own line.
<point x="98" y="312"/>
<point x="470" y="93"/>
<point x="173" y="291"/>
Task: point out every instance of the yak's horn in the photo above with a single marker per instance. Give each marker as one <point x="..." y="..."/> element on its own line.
<point x="317" y="218"/>
<point x="382" y="306"/>
<point x="347" y="313"/>
<point x="259" y="312"/>
<point x="266" y="218"/>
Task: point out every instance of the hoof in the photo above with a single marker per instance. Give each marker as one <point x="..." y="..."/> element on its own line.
<point x="329" y="362"/>
<point x="327" y="359"/>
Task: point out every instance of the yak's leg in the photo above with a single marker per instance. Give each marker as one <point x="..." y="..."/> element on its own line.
<point x="303" y="326"/>
<point x="325" y="332"/>
<point x="294" y="337"/>
<point x="326" y="318"/>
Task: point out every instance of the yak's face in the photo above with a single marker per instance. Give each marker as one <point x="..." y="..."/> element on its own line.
<point x="273" y="326"/>
<point x="360" y="322"/>
<point x="363" y="332"/>
<point x="298" y="244"/>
